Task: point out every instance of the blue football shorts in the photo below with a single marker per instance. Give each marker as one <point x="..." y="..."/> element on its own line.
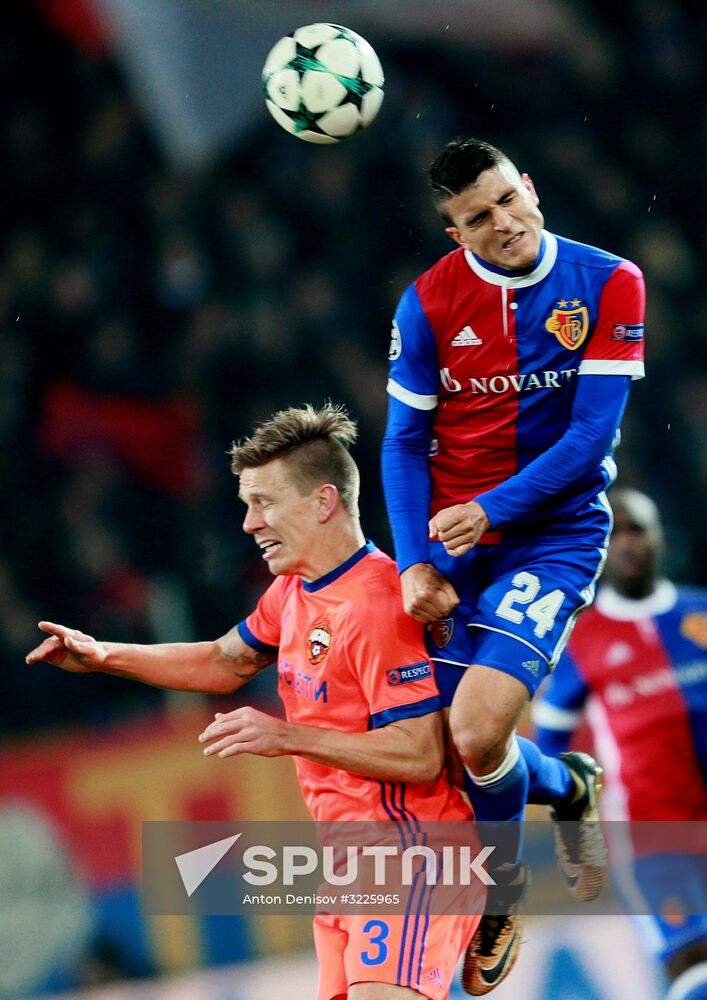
<point x="518" y="604"/>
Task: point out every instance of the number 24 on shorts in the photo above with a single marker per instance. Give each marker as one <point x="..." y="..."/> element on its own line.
<point x="542" y="611"/>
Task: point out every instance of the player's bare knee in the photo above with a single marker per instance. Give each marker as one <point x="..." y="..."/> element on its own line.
<point x="481" y="744"/>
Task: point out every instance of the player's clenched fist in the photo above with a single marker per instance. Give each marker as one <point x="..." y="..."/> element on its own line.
<point x="246" y="730"/>
<point x="69" y="649"/>
<point x="427" y="595"/>
<point x="459" y="527"/>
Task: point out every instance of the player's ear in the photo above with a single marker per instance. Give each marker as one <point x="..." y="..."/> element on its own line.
<point x="328" y="501"/>
<point x="527" y="182"/>
<point x="454" y="234"/>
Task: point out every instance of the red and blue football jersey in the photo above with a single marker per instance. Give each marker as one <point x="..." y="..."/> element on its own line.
<point x="497" y="356"/>
<point x="641" y="668"/>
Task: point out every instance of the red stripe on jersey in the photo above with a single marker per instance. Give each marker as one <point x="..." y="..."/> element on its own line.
<point x="475" y="424"/>
<point x="629" y="670"/>
<point x="621" y="310"/>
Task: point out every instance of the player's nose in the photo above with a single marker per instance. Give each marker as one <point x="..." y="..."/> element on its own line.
<point x="501" y="218"/>
<point x="252" y="522"/>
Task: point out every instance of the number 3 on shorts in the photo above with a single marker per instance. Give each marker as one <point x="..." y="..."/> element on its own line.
<point x="542" y="611"/>
<point x="377" y="953"/>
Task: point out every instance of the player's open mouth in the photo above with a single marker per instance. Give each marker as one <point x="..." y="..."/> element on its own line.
<point x="513" y="242"/>
<point x="267" y="548"/>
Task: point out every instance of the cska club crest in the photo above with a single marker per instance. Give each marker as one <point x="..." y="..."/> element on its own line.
<point x="570" y="325"/>
<point x="319" y="641"/>
<point x="441" y="631"/>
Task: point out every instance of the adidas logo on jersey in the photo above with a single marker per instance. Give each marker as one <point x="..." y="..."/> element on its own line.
<point x="435" y="977"/>
<point x="466" y="338"/>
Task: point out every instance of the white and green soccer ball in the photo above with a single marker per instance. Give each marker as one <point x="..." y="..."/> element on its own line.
<point x="323" y="83"/>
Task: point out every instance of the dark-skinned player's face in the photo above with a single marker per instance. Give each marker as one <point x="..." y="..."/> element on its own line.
<point x="631" y="563"/>
<point x="498" y="218"/>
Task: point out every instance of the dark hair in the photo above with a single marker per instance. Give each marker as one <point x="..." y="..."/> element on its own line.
<point x="314" y="443"/>
<point x="458" y="166"/>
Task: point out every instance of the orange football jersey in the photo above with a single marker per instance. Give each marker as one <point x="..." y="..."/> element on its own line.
<point x="350" y="659"/>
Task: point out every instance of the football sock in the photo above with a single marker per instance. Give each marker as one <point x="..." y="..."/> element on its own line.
<point x="549" y="780"/>
<point x="499" y="800"/>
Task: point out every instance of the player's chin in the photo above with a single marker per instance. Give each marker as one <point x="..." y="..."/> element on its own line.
<point x="280" y="566"/>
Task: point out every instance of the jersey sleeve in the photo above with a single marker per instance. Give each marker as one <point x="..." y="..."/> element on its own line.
<point x="558" y="711"/>
<point x="390" y="662"/>
<point x="413" y="375"/>
<point x="616" y="345"/>
<point x="407" y="483"/>
<point x="261" y="629"/>
<point x="412" y="387"/>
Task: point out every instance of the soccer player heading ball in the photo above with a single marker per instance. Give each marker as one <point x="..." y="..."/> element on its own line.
<point x="511" y="361"/>
<point x="367" y="746"/>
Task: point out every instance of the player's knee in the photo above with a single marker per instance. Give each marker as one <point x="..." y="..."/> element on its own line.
<point x="481" y="743"/>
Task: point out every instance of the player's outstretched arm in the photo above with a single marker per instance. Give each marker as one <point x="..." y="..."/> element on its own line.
<point x="218" y="667"/>
<point x="407" y="750"/>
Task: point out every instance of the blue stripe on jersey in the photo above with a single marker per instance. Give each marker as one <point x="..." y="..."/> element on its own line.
<point x="683" y="653"/>
<point x="423" y="906"/>
<point x="388" y="808"/>
<point x="544" y="412"/>
<point x="406" y="822"/>
<point x="423" y="945"/>
<point x="406" y="923"/>
<point x="252" y="640"/>
<point x="412" y="711"/>
<point x="323" y="581"/>
<point x="404" y="809"/>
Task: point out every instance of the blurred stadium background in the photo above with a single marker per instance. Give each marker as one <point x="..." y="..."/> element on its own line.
<point x="173" y="268"/>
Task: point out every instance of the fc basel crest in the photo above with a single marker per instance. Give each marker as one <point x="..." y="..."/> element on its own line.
<point x="319" y="641"/>
<point x="694" y="627"/>
<point x="441" y="631"/>
<point x="569" y="323"/>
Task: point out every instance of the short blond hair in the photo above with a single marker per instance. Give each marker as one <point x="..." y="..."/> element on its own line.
<point x="313" y="443"/>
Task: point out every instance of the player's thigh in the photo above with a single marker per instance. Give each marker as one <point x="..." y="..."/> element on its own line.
<point x="381" y="991"/>
<point x="417" y="951"/>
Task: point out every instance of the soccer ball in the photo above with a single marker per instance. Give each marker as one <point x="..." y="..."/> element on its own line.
<point x="323" y="83"/>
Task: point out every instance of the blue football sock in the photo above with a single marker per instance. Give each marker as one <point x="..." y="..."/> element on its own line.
<point x="549" y="780"/>
<point x="499" y="802"/>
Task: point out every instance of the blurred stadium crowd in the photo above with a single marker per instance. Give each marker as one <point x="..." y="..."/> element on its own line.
<point x="150" y="316"/>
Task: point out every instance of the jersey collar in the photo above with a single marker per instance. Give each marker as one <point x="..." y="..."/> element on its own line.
<point x="497" y="276"/>
<point x="323" y="581"/>
<point x="624" y="609"/>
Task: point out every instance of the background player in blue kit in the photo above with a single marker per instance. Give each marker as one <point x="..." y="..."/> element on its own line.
<point x="511" y="361"/>
<point x="638" y="663"/>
